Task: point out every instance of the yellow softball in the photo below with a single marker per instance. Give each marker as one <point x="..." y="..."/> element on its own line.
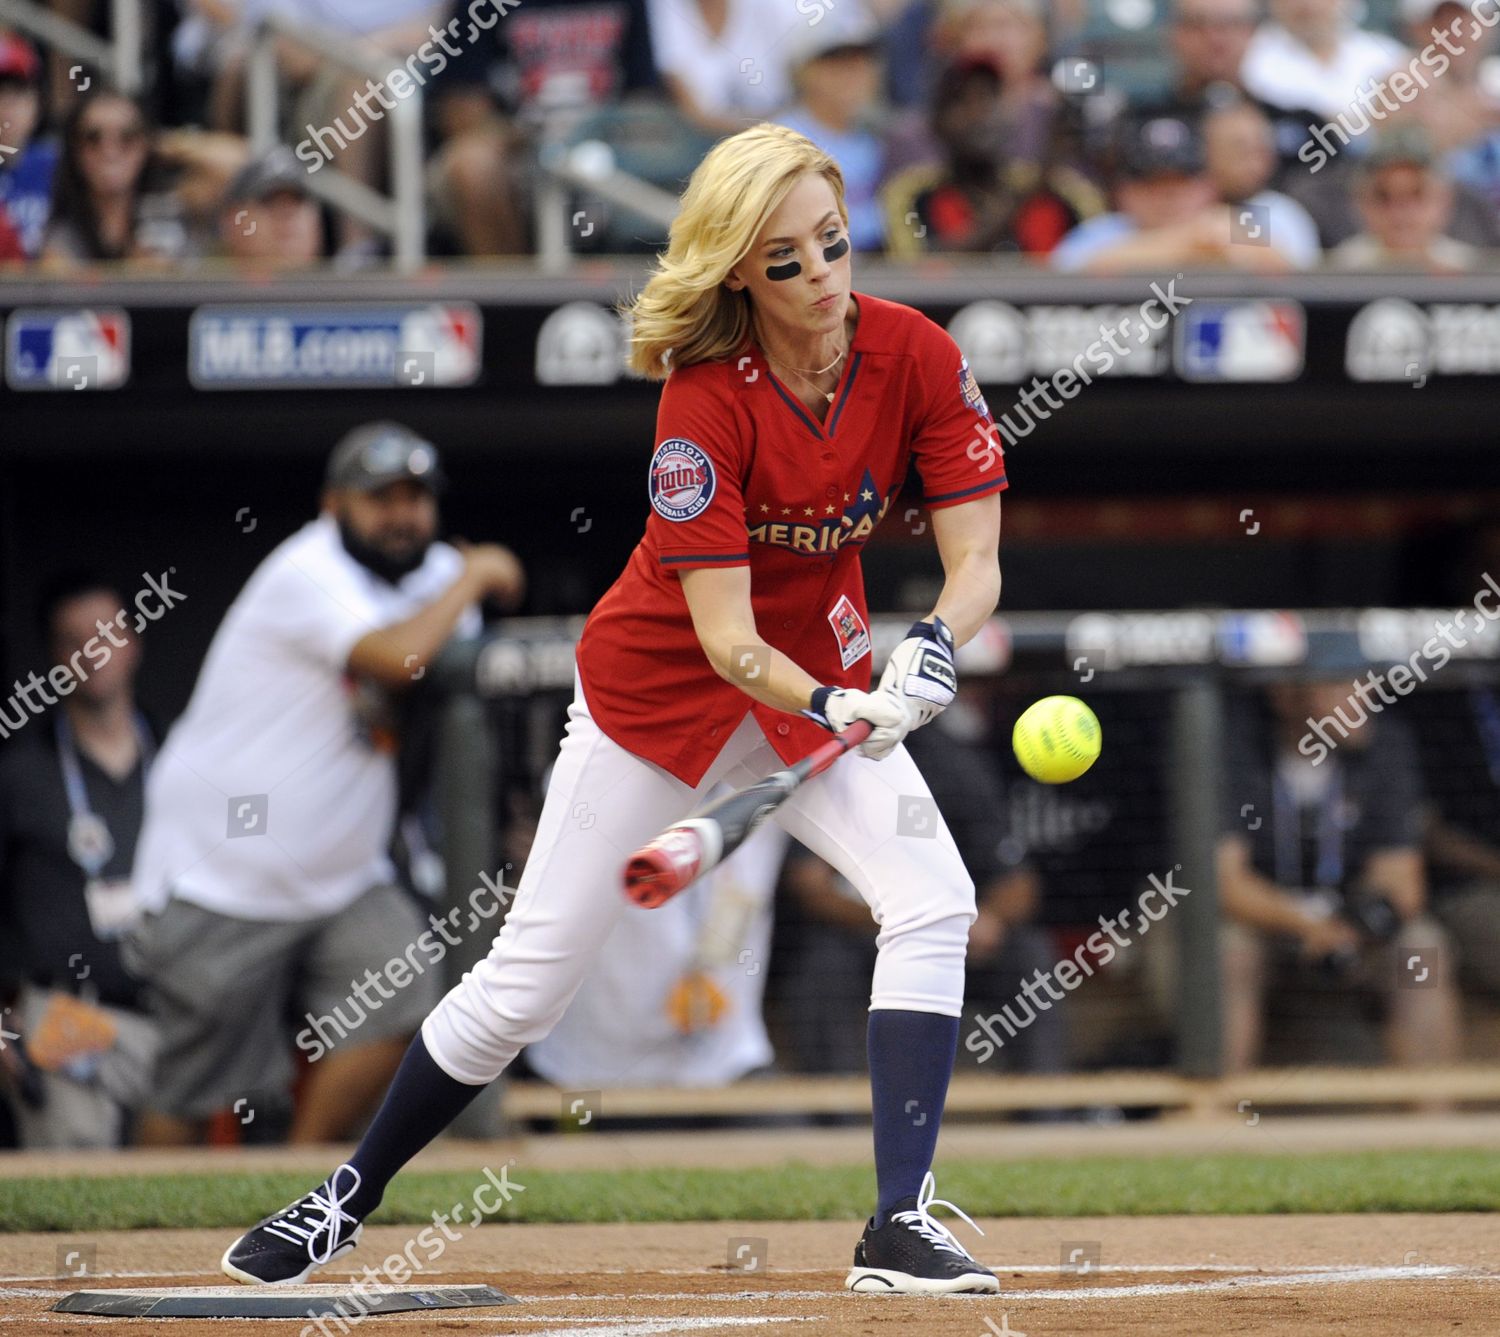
<point x="1056" y="739"/>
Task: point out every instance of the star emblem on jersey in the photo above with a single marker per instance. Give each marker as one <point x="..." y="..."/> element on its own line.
<point x="826" y="529"/>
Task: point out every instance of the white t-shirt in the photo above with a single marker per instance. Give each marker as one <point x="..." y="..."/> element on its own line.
<point x="1290" y="228"/>
<point x="741" y="71"/>
<point x="273" y="796"/>
<point x="1363" y="251"/>
<point x="617" y="1031"/>
<point x="1280" y="69"/>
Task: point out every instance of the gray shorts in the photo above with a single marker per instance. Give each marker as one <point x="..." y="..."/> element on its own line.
<point x="233" y="996"/>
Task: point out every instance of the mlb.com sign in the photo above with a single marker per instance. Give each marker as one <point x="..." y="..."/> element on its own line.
<point x="334" y="345"/>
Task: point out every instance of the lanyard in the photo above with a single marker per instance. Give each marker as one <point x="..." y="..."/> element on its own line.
<point x="1330" y="869"/>
<point x="90" y="844"/>
<point x="1487" y="716"/>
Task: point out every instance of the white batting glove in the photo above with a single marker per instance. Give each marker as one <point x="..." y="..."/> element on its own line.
<point x="921" y="671"/>
<point x="836" y="708"/>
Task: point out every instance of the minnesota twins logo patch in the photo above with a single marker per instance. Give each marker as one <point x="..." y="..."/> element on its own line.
<point x="682" y="480"/>
<point x="968" y="387"/>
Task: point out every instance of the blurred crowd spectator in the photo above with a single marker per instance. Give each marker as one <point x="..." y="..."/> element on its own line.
<point x="1170" y="212"/>
<point x="72" y="791"/>
<point x="976" y="197"/>
<point x="27" y="162"/>
<point x="1405" y="200"/>
<point x="1238" y="135"/>
<point x="1322" y="884"/>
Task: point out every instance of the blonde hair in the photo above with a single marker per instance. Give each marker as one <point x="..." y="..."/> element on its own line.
<point x="684" y="311"/>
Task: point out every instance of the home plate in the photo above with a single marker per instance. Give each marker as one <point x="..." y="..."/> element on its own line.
<point x="277" y="1301"/>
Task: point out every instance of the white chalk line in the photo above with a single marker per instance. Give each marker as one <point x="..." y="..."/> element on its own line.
<point x="1037" y="1268"/>
<point x="648" y="1327"/>
<point x="1165" y="1290"/>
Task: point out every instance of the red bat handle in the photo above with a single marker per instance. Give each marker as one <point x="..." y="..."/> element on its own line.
<point x="819" y="760"/>
<point x="658" y="871"/>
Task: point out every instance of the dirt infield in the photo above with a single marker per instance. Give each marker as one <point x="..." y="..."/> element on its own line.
<point x="1385" y="1276"/>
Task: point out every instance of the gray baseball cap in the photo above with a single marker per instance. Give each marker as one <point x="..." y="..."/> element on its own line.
<point x="1404" y="145"/>
<point x="265" y="175"/>
<point x="379" y="453"/>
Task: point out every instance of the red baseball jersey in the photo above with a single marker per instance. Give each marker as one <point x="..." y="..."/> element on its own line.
<point x="744" y="475"/>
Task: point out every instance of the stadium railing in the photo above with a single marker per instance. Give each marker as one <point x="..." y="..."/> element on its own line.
<point x="401" y="215"/>
<point x="121" y="54"/>
<point x="588" y="166"/>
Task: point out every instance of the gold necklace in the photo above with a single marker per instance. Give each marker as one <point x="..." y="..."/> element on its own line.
<point x="827" y="394"/>
<point x="815" y="371"/>
<point x="822" y="371"/>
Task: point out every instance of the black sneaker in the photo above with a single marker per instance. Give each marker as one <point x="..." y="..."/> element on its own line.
<point x="912" y="1254"/>
<point x="288" y="1247"/>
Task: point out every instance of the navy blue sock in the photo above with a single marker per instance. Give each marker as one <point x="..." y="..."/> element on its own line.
<point x="911" y="1060"/>
<point x="421" y="1102"/>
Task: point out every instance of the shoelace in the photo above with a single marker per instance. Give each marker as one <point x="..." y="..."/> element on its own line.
<point x="322" y="1211"/>
<point x="934" y="1231"/>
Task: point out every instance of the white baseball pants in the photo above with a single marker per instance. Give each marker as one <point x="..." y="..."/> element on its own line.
<point x="874" y="821"/>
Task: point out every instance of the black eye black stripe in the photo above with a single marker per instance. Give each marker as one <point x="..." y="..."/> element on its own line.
<point x="790" y="270"/>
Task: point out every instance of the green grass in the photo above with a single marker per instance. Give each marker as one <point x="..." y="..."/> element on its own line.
<point x="1405" y="1181"/>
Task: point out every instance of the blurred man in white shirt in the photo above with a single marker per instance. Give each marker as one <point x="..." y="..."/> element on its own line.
<point x="1311" y="55"/>
<point x="271" y="807"/>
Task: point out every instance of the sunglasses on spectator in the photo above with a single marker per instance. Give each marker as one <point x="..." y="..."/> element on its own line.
<point x="129" y="137"/>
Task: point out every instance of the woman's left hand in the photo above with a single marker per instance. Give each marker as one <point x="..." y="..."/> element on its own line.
<point x="921" y="672"/>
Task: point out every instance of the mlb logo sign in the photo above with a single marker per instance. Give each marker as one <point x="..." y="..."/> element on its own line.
<point x="439" y="346"/>
<point x="1241" y="341"/>
<point x="1262" y="638"/>
<point x="67" y="350"/>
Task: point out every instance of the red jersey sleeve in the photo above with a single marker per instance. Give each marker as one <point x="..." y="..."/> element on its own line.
<point x="694" y="482"/>
<point x="956" y="446"/>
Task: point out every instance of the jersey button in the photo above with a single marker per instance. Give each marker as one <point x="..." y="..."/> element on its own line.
<point x="831" y="493"/>
<point x="788" y="624"/>
<point x="783" y="729"/>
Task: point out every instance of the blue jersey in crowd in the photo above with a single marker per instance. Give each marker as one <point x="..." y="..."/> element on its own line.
<point x="26" y="193"/>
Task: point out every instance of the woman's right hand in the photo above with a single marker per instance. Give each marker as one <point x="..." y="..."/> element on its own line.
<point x="836" y="708"/>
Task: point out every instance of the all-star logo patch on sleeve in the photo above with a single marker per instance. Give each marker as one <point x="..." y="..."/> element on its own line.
<point x="968" y="388"/>
<point x="682" y="480"/>
<point x="956" y="443"/>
